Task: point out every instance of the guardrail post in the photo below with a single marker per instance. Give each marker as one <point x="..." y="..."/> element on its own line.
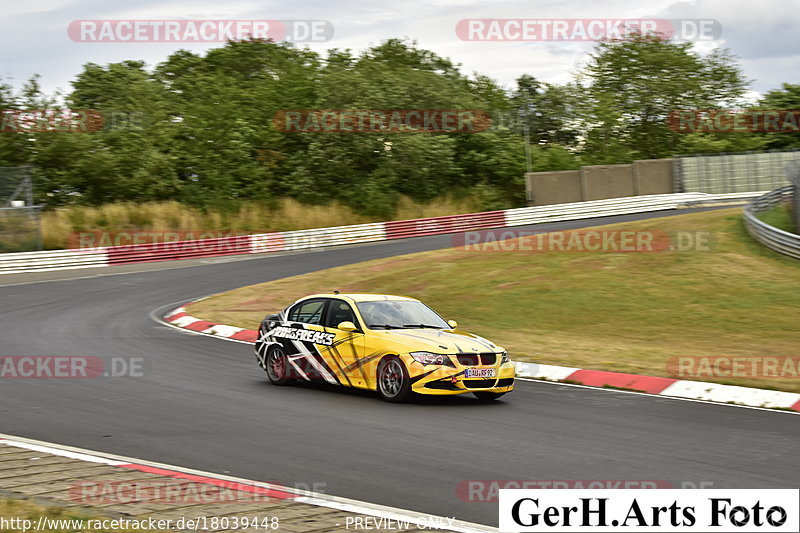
<point x="793" y="173"/>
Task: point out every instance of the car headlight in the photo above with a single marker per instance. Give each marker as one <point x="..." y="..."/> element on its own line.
<point x="428" y="358"/>
<point x="504" y="358"/>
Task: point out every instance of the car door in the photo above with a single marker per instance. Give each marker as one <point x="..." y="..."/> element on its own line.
<point x="305" y="341"/>
<point x="347" y="350"/>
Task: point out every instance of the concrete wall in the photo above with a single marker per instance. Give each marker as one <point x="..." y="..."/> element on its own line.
<point x="607" y="181"/>
<point x="651" y="176"/>
<point x="554" y="187"/>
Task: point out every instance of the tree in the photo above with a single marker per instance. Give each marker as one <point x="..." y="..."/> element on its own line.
<point x="395" y="75"/>
<point x="201" y="128"/>
<point x="125" y="157"/>
<point x="785" y="98"/>
<point x="14" y="146"/>
<point x="547" y="110"/>
<point x="630" y="86"/>
<point x="224" y="143"/>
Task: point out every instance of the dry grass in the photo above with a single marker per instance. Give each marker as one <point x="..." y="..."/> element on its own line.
<point x="57" y="225"/>
<point x="626" y="312"/>
<point x="11" y="509"/>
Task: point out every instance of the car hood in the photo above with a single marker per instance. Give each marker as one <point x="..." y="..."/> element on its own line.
<point x="436" y="341"/>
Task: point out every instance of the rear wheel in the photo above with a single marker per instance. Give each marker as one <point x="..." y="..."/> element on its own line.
<point x="277" y="366"/>
<point x="394" y="385"/>
<point x="485" y="396"/>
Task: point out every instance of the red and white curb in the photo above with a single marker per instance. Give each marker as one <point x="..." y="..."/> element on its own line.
<point x="180" y="318"/>
<point x="268" y="490"/>
<point x="673" y="388"/>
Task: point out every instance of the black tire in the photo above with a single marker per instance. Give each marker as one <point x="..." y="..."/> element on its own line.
<point x="277" y="367"/>
<point x="394" y="385"/>
<point x="485" y="396"/>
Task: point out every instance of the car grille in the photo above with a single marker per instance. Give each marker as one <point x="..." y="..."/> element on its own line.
<point x="488" y="358"/>
<point x="479" y="383"/>
<point x="505" y="382"/>
<point x="468" y="359"/>
<point x="475" y="359"/>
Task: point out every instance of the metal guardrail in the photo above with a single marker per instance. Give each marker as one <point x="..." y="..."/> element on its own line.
<point x="616" y="206"/>
<point x="171" y="251"/>
<point x="400" y="229"/>
<point x="770" y="236"/>
<point x="318" y="237"/>
<point x="360" y="233"/>
<point x="13" y="263"/>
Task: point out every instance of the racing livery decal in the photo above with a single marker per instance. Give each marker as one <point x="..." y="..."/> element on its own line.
<point x="306" y="335"/>
<point x="392" y="344"/>
<point x="298" y="344"/>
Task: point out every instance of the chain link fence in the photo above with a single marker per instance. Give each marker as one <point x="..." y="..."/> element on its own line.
<point x="20" y="219"/>
<point x="727" y="173"/>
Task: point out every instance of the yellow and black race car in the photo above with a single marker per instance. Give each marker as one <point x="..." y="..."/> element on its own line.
<point x="395" y="345"/>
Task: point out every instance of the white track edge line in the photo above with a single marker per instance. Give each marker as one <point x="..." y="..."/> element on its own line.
<point x="61" y="452"/>
<point x="307" y="497"/>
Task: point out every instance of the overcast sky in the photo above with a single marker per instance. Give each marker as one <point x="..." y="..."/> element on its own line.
<point x="763" y="34"/>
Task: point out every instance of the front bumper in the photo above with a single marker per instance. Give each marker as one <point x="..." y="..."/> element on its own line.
<point x="448" y="380"/>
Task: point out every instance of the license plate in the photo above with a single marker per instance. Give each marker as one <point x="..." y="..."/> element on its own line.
<point x="481" y="373"/>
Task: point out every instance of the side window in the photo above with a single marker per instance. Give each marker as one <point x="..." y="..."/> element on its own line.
<point x="309" y="312"/>
<point x="338" y="312"/>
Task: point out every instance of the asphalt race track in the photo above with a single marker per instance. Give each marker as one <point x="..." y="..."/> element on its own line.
<point x="203" y="403"/>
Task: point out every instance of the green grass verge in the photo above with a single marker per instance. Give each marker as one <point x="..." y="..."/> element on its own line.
<point x="624" y="312"/>
<point x="779" y="217"/>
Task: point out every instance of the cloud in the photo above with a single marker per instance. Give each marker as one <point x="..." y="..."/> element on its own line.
<point x="33" y="36"/>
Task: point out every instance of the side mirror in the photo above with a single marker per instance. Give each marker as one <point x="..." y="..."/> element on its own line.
<point x="453" y="324"/>
<point x="272" y="318"/>
<point x="347" y="326"/>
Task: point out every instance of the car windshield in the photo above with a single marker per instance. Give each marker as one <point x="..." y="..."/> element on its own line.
<point x="390" y="314"/>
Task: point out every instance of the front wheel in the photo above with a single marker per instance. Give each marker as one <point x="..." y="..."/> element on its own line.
<point x="277" y="367"/>
<point x="394" y="385"/>
<point x="485" y="396"/>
